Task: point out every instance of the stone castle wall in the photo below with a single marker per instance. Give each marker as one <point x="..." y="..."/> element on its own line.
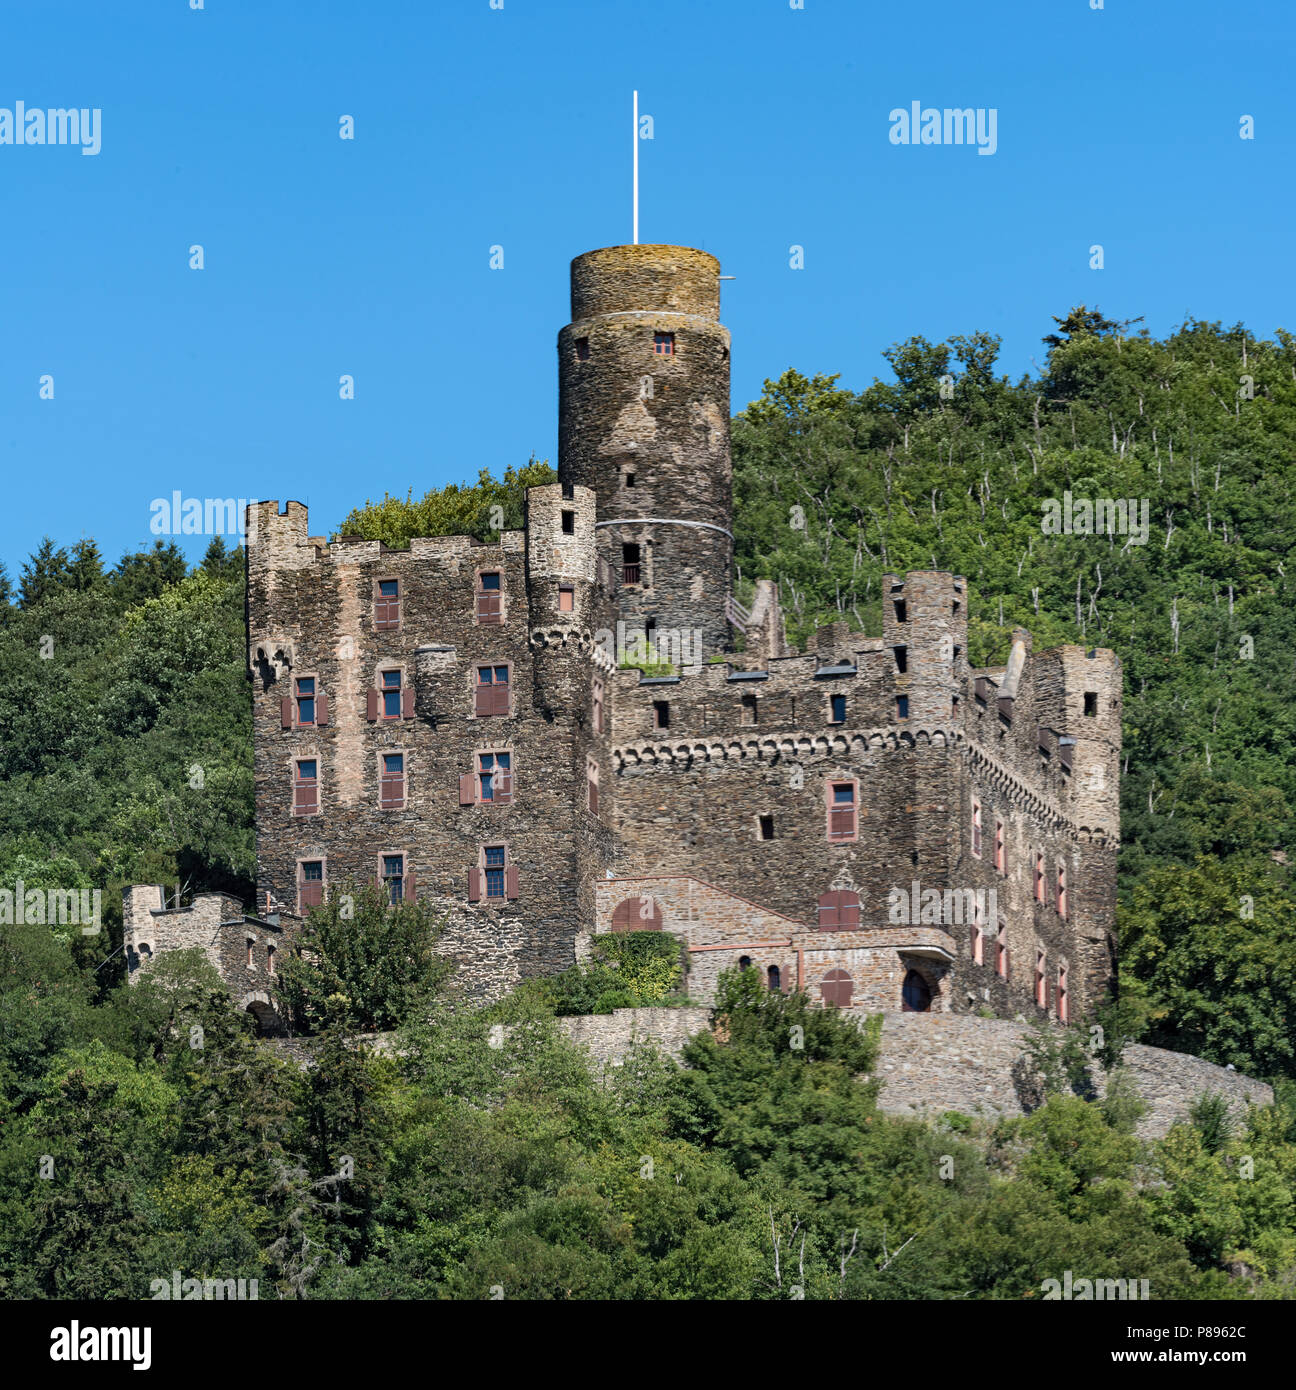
<point x="931" y="1063"/>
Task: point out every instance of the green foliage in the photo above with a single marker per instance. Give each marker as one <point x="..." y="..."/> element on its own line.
<point x="480" y="509"/>
<point x="627" y="970"/>
<point x="362" y="962"/>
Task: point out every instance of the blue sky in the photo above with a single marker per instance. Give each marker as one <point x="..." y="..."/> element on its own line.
<point x="477" y="126"/>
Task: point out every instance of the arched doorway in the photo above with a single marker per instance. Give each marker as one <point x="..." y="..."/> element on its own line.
<point x="916" y="994"/>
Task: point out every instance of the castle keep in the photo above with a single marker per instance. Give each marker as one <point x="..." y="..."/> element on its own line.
<point x="870" y="820"/>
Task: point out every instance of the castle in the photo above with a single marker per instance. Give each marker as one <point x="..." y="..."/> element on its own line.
<point x="577" y="729"/>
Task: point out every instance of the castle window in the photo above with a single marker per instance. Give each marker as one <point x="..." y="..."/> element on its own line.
<point x="764" y="827"/>
<point x="387" y="605"/>
<point x="842" y="821"/>
<point x="1041" y="893"/>
<point x="976" y="829"/>
<point x="744" y="962"/>
<point x="392" y="784"/>
<point x="598" y="705"/>
<point x="902" y="707"/>
<point x="637" y="914"/>
<point x="490" y="597"/>
<point x="310" y="884"/>
<point x="1091" y="703"/>
<point x="566" y="598"/>
<point x="664" y="344"/>
<point x="592" y="786"/>
<point x="839" y="910"/>
<point x="1063" y="999"/>
<point x="836" y="989"/>
<point x="391" y="694"/>
<point x="1062" y="890"/>
<point x="1000" y="848"/>
<point x="582" y="349"/>
<point x="495" y="879"/>
<point x="837" y="709"/>
<point x="902" y="659"/>
<point x="306" y="787"/>
<point x="628" y="478"/>
<point x="495" y="778"/>
<point x="629" y="563"/>
<point x="750" y="709"/>
<point x="492" y="691"/>
<point x="1001" y="950"/>
<point x="1041" y="987"/>
<point x="305" y="699"/>
<point x="270" y="960"/>
<point x="978" y="944"/>
<point x="661" y="714"/>
<point x="898" y="604"/>
<point x="568" y="523"/>
<point x="915" y="994"/>
<point x="251" y="963"/>
<point x="393" y="877"/>
<point x="773" y="978"/>
<point x="146" y="952"/>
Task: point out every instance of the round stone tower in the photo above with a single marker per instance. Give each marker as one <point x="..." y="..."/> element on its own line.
<point x="643" y="419"/>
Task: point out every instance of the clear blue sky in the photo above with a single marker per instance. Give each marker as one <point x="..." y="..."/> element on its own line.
<point x="477" y="127"/>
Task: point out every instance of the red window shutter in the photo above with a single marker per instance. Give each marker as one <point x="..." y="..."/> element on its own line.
<point x="409" y="889"/>
<point x="393" y="791"/>
<point x="371" y="705"/>
<point x="488" y="607"/>
<point x="593" y="798"/>
<point x="829" y="914"/>
<point x="386" y="613"/>
<point x="286" y="712"/>
<point x="841" y="822"/>
<point x="500" y="701"/>
<point x="467" y="790"/>
<point x="407" y="702"/>
<point x="510" y="882"/>
<point x="474" y="885"/>
<point x="482" y="704"/>
<point x="321" y="709"/>
<point x="503" y="785"/>
<point x="306" y="799"/>
<point x="849" y="910"/>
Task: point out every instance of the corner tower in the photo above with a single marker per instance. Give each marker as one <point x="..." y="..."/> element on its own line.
<point x="643" y="419"/>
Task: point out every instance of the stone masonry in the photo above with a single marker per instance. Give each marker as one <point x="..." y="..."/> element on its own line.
<point x="575" y="728"/>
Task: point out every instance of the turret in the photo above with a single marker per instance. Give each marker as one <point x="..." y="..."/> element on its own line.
<point x="643" y="379"/>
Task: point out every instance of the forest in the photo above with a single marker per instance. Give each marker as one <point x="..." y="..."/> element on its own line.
<point x="464" y="1157"/>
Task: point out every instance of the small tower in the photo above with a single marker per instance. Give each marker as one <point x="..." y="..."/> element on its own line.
<point x="643" y="419"/>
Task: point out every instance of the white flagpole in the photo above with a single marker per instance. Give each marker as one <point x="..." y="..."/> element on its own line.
<point x="636" y="168"/>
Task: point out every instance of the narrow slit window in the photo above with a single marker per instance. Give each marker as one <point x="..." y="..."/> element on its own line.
<point x="837" y="709"/>
<point x="568" y="523"/>
<point x="661" y="714"/>
<point x="765" y="827"/>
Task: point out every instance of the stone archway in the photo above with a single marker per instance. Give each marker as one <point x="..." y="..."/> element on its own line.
<point x="262" y="1008"/>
